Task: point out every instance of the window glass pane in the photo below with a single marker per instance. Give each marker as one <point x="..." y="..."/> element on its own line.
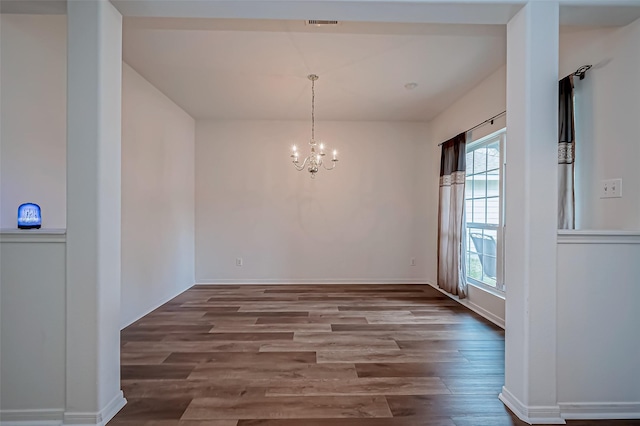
<point x="469" y="210"/>
<point x="475" y="267"/>
<point x="479" y="210"/>
<point x="468" y="187"/>
<point x="479" y="160"/>
<point x="489" y="253"/>
<point x="493" y="210"/>
<point x="493" y="183"/>
<point x="482" y="204"/>
<point x="491" y="234"/>
<point x="489" y="270"/>
<point x="479" y="186"/>
<point x="493" y="155"/>
<point x="473" y="238"/>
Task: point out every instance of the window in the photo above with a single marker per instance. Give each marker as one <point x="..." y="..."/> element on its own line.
<point x="484" y="210"/>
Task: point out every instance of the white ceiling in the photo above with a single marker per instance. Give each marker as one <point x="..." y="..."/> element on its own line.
<point x="237" y="60"/>
<point x="257" y="69"/>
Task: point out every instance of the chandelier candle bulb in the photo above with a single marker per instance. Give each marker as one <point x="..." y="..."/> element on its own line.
<point x="335" y="155"/>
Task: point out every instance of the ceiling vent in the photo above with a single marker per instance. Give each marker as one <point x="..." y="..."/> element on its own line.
<point x="320" y="22"/>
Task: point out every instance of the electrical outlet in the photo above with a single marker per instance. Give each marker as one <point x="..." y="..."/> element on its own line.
<point x="611" y="188"/>
<point x="412" y="262"/>
<point x="238" y="261"/>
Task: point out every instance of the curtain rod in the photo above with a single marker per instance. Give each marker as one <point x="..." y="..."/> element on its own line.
<point x="580" y="72"/>
<point x="489" y="120"/>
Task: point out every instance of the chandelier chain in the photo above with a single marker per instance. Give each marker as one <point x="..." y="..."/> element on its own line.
<point x="313" y="109"/>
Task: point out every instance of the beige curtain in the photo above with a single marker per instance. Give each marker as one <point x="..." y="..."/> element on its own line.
<point x="566" y="147"/>
<point x="451" y="222"/>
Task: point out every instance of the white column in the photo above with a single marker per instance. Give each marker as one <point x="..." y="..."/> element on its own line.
<point x="531" y="213"/>
<point x="94" y="87"/>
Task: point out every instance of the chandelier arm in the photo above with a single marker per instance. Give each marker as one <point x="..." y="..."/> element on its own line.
<point x="301" y="167"/>
<point x="330" y="168"/>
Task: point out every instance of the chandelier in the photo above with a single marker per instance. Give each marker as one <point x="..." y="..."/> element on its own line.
<point x="315" y="159"/>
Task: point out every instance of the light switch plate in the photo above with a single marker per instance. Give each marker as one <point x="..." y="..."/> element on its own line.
<point x="611" y="188"/>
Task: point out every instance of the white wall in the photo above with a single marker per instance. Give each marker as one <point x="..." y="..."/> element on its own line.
<point x="33" y="169"/>
<point x="33" y="117"/>
<point x="157" y="160"/>
<point x="425" y="237"/>
<point x="607" y="127"/>
<point x="607" y="123"/>
<point x="483" y="101"/>
<point x="157" y="198"/>
<point x="94" y="140"/>
<point x="157" y="214"/>
<point x="597" y="355"/>
<point x="598" y="318"/>
<point x="32" y="367"/>
<point x="356" y="223"/>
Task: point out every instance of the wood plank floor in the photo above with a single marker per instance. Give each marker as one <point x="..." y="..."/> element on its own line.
<point x="339" y="355"/>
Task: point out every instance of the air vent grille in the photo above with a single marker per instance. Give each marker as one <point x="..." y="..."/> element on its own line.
<point x="320" y="22"/>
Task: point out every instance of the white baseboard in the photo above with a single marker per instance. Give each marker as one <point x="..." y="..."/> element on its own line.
<point x="31" y="417"/>
<point x="475" y="308"/>
<point x="97" y="419"/>
<point x="533" y="415"/>
<point x="600" y="410"/>
<point x="154" y="306"/>
<point x="113" y="407"/>
<point x="570" y="411"/>
<point x="484" y="313"/>
<point x="289" y="281"/>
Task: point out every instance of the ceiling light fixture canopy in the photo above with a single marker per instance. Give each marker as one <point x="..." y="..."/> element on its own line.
<point x="314" y="160"/>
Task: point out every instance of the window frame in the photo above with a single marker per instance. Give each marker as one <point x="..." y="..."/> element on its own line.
<point x="500" y="137"/>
